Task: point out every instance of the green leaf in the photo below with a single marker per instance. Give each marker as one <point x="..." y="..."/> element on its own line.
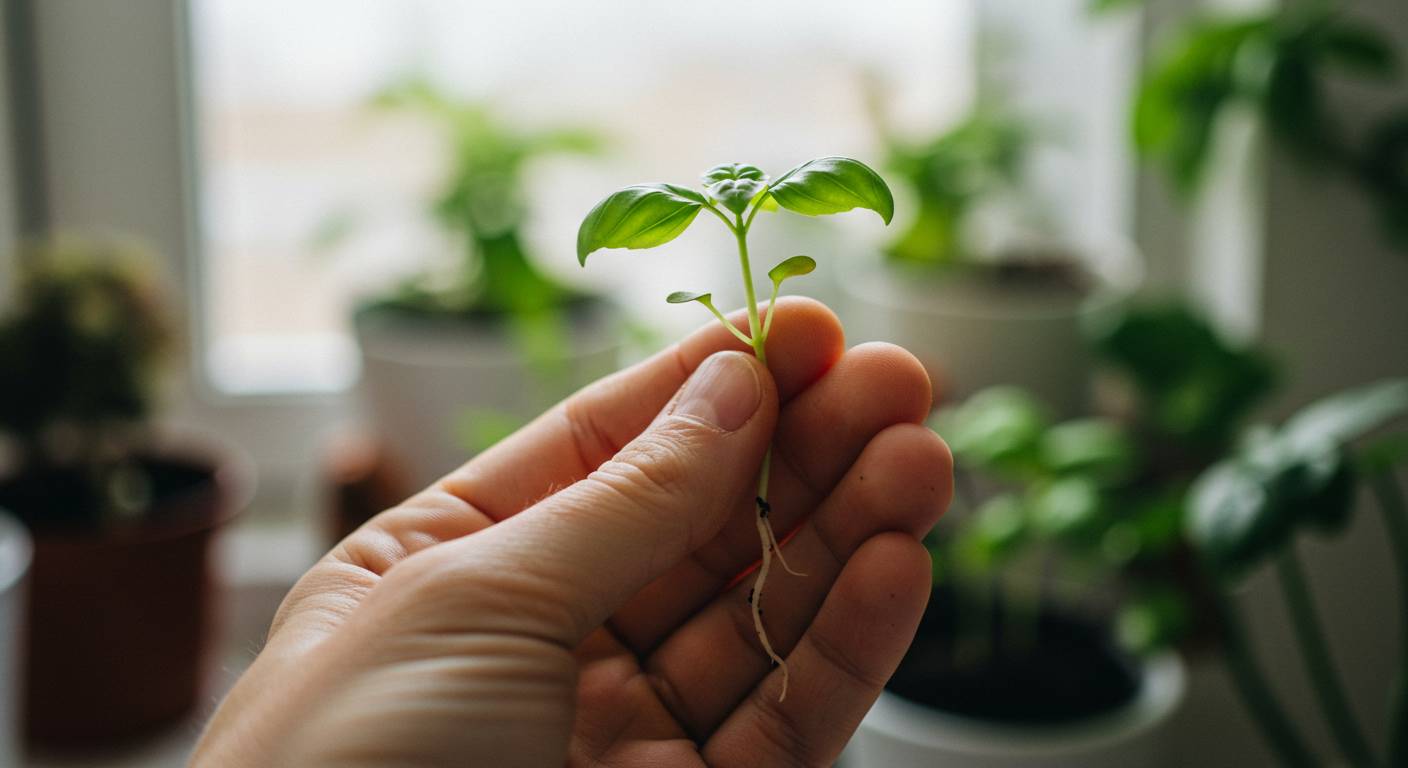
<point x="1345" y="416"/>
<point x="995" y="429"/>
<point x="1358" y="48"/>
<point x="1153" y="619"/>
<point x="735" y="185"/>
<point x="685" y="297"/>
<point x="993" y="533"/>
<point x="833" y="185"/>
<point x="641" y="216"/>
<point x="1232" y="519"/>
<point x="1100" y="447"/>
<point x="1068" y="509"/>
<point x="793" y="267"/>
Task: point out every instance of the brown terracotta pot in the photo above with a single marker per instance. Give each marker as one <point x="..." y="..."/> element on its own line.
<point x="120" y="619"/>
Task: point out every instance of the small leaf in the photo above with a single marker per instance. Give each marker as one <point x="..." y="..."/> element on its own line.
<point x="996" y="429"/>
<point x="641" y="216"/>
<point x="993" y="533"/>
<point x="1097" y="446"/>
<point x="735" y="185"/>
<point x="1232" y="519"/>
<point x="685" y="297"/>
<point x="1343" y="417"/>
<point x="832" y="185"/>
<point x="793" y="267"/>
<point x="1066" y="509"/>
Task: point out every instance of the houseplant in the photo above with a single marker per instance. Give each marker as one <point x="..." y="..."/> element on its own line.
<point x="977" y="286"/>
<point x="122" y="518"/>
<point x="1276" y="66"/>
<point x="1064" y="578"/>
<point x="1248" y="511"/>
<point x="486" y="336"/>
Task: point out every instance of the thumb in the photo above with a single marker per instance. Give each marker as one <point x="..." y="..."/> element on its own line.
<point x="587" y="549"/>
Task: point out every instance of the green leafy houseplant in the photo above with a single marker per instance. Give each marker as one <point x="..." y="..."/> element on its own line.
<point x="648" y="215"/>
<point x="80" y="352"/>
<point x="1277" y="66"/>
<point x="482" y="203"/>
<point x="1248" y="509"/>
<point x="1079" y="518"/>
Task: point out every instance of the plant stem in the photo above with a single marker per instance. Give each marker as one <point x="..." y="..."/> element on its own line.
<point x="1256" y="695"/>
<point x="1315" y="652"/>
<point x="1390" y="498"/>
<point x="765" y="533"/>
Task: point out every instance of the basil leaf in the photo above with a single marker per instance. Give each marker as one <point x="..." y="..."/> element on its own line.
<point x="640" y="216"/>
<point x="685" y="297"/>
<point x="1233" y="519"/>
<point x="734" y="185"/>
<point x="832" y="185"/>
<point x="1343" y="417"/>
<point x="793" y="267"/>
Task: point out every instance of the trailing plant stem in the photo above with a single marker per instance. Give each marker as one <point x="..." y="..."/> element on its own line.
<point x="1281" y="735"/>
<point x="1390" y="498"/>
<point x="1320" y="668"/>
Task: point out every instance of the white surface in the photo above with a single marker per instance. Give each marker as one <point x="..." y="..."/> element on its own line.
<point x="900" y="734"/>
<point x="420" y="385"/>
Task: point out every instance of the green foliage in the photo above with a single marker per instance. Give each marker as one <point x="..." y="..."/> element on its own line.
<point x="1194" y="386"/>
<point x="82" y="345"/>
<point x="642" y="216"/>
<point x="1275" y="65"/>
<point x="795" y="266"/>
<point x="997" y="429"/>
<point x="950" y="174"/>
<point x="1248" y="506"/>
<point x="482" y="202"/>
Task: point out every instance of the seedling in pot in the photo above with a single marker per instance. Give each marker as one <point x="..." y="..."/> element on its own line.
<point x="647" y="215"/>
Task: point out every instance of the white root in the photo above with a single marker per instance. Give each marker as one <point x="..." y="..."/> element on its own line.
<point x="756" y="598"/>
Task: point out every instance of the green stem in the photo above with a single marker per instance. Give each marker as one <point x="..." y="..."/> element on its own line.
<point x="1256" y="694"/>
<point x="755" y="329"/>
<point x="1390" y="498"/>
<point x="1319" y="667"/>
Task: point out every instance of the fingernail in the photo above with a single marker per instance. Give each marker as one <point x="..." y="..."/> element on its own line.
<point x="724" y="392"/>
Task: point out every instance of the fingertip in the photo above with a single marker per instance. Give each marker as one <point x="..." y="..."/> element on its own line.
<point x="907" y="390"/>
<point x="898" y="576"/>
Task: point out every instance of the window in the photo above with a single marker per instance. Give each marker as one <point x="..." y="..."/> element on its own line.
<point x="288" y="148"/>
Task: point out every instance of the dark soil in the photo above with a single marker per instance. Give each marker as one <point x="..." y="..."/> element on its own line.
<point x="68" y="498"/>
<point x="1071" y="670"/>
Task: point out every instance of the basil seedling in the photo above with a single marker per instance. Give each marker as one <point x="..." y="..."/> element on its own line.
<point x="647" y="215"/>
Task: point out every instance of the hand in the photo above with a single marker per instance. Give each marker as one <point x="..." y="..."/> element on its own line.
<point x="577" y="594"/>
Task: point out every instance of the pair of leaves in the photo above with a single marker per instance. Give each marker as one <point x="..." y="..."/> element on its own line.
<point x="647" y="215"/>
<point x="1247" y="507"/>
<point x="793" y="267"/>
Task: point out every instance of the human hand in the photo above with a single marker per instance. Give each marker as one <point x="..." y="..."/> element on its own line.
<point x="576" y="594"/>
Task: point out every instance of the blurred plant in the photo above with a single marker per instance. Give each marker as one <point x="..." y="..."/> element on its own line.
<point x="950" y="175"/>
<point x="80" y="353"/>
<point x="1247" y="510"/>
<point x="649" y="215"/>
<point x="482" y="201"/>
<point x="1276" y="65"/>
<point x="1104" y="496"/>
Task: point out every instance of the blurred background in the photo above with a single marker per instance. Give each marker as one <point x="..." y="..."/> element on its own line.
<point x="269" y="266"/>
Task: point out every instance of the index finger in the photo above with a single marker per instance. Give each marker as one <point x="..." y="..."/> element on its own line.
<point x="573" y="438"/>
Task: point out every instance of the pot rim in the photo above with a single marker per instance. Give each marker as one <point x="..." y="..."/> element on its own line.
<point x="231" y="489"/>
<point x="16" y="552"/>
<point x="1115" y="263"/>
<point x="1162" y="685"/>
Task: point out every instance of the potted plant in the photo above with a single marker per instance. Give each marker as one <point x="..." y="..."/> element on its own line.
<point x="465" y="351"/>
<point x="121" y="518"/>
<point x="977" y="286"/>
<point x="1062" y="585"/>
<point x="1248" y="510"/>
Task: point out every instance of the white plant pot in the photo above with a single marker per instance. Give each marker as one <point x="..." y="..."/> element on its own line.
<point x="901" y="734"/>
<point x="421" y="380"/>
<point x="969" y="338"/>
<point x="15" y="554"/>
